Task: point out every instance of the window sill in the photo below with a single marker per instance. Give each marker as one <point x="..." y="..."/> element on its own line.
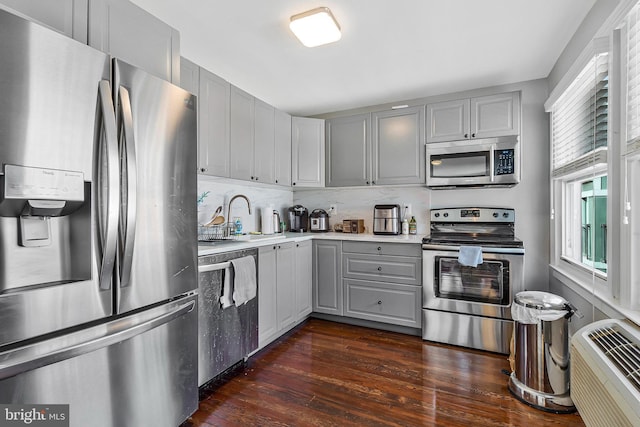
<point x="596" y="297"/>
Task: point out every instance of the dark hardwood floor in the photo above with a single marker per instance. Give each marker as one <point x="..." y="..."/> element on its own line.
<point x="329" y="374"/>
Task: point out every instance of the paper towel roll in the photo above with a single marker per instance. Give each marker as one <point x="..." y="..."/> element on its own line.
<point x="267" y="220"/>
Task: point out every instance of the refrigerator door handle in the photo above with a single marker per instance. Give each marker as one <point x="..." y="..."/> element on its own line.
<point x="107" y="185"/>
<point x="127" y="226"/>
<point x="30" y="357"/>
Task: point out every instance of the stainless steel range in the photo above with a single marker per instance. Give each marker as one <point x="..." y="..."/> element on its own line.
<point x="473" y="266"/>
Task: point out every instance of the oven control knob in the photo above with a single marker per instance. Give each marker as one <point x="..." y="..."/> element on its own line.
<point x="505" y="215"/>
<point x="446" y="214"/>
<point x="495" y="214"/>
<point x="437" y="215"/>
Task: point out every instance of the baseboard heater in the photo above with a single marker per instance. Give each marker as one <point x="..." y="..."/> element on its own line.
<point x="605" y="373"/>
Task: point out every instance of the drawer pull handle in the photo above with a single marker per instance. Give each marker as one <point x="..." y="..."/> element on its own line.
<point x="379" y="302"/>
<point x="379" y="268"/>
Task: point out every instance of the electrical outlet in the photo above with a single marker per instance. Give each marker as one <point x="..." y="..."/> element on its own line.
<point x="333" y="209"/>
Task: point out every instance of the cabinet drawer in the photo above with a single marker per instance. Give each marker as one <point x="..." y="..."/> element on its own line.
<point x="382" y="268"/>
<point x="400" y="249"/>
<point x="383" y="302"/>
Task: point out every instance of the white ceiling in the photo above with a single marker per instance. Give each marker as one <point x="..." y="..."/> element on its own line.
<point x="390" y="50"/>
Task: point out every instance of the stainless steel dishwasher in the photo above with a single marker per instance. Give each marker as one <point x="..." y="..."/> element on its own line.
<point x="225" y="336"/>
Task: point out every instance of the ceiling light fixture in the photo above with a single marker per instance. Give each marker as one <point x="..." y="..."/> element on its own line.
<point x="315" y="27"/>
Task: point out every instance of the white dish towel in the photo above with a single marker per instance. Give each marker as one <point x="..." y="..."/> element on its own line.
<point x="470" y="256"/>
<point x="244" y="281"/>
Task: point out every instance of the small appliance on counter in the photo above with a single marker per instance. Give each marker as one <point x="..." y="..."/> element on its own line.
<point x="319" y="219"/>
<point x="298" y="218"/>
<point x="386" y="219"/>
<point x="355" y="226"/>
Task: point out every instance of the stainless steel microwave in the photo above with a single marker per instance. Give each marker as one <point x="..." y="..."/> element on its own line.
<point x="474" y="163"/>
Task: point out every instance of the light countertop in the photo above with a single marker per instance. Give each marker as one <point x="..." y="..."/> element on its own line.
<point x="255" y="241"/>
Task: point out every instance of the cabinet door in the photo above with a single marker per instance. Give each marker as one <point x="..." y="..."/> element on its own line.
<point x="241" y="134"/>
<point x="213" y="125"/>
<point x="398" y="146"/>
<point x="189" y="76"/>
<point x="307" y="151"/>
<point x="303" y="281"/>
<point x="267" y="305"/>
<point x="285" y="289"/>
<point x="282" y="124"/>
<point x="495" y="115"/>
<point x="327" y="277"/>
<point x="128" y="32"/>
<point x="448" y="121"/>
<point x="264" y="143"/>
<point x="68" y="17"/>
<point x="348" y="151"/>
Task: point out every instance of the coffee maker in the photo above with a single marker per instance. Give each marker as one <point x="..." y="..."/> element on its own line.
<point x="298" y="218"/>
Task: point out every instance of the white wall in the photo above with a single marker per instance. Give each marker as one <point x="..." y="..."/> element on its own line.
<point x="221" y="190"/>
<point x="530" y="197"/>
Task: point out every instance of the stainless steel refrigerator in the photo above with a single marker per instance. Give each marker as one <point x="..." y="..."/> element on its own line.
<point x="98" y="272"/>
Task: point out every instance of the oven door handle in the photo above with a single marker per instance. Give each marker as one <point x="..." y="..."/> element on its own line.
<point x="492" y="163"/>
<point x="485" y="250"/>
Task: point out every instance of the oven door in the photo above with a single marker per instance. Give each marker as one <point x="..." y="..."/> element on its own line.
<point x="486" y="290"/>
<point x="492" y="161"/>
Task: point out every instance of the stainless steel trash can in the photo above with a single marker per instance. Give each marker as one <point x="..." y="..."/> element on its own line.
<point x="541" y="345"/>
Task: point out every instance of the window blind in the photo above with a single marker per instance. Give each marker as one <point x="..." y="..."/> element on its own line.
<point x="633" y="74"/>
<point x="579" y="118"/>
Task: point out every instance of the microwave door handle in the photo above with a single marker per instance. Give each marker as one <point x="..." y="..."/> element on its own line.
<point x="107" y="186"/>
<point x="492" y="163"/>
<point x="129" y="185"/>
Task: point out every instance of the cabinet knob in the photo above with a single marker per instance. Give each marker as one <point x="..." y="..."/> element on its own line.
<point x="373" y="182"/>
<point x="276" y="181"/>
<point x="379" y="248"/>
<point x="379" y="268"/>
<point x="203" y="169"/>
<point x="379" y="302"/>
<point x="473" y="135"/>
<point x="256" y="178"/>
<point x="367" y="182"/>
<point x="294" y="183"/>
<point x="274" y="248"/>
<point x="251" y="178"/>
<point x="466" y="135"/>
<point x="297" y="245"/>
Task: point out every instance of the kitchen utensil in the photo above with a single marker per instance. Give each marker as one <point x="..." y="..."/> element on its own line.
<point x="319" y="219"/>
<point x="214" y="218"/>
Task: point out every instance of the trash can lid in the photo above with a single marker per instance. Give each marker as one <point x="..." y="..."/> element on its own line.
<point x="541" y="300"/>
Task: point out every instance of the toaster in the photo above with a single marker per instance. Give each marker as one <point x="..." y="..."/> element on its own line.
<point x="386" y="219"/>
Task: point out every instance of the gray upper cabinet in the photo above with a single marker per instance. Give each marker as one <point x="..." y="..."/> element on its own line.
<point x="307" y="152"/>
<point x="124" y="30"/>
<point x="264" y="143"/>
<point x="68" y="17"/>
<point x="282" y="132"/>
<point x="348" y="151"/>
<point x="189" y="76"/>
<point x="398" y="146"/>
<point x="495" y="115"/>
<point x="448" y="121"/>
<point x="472" y="118"/>
<point x="241" y="134"/>
<point x="213" y="125"/>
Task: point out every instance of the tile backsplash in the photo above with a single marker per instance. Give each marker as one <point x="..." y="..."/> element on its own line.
<point x="221" y="190"/>
<point x="358" y="202"/>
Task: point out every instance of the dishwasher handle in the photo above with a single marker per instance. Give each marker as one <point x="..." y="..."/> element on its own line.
<point x="213" y="267"/>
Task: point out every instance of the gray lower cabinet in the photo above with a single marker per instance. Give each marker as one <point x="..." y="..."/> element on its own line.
<point x="327" y="277"/>
<point x="303" y="279"/>
<point x="68" y="17"/>
<point x="128" y="32"/>
<point x="383" y="302"/>
<point x="369" y="280"/>
<point x="278" y="290"/>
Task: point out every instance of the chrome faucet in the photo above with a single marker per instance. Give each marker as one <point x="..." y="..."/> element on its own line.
<point x="230" y="218"/>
